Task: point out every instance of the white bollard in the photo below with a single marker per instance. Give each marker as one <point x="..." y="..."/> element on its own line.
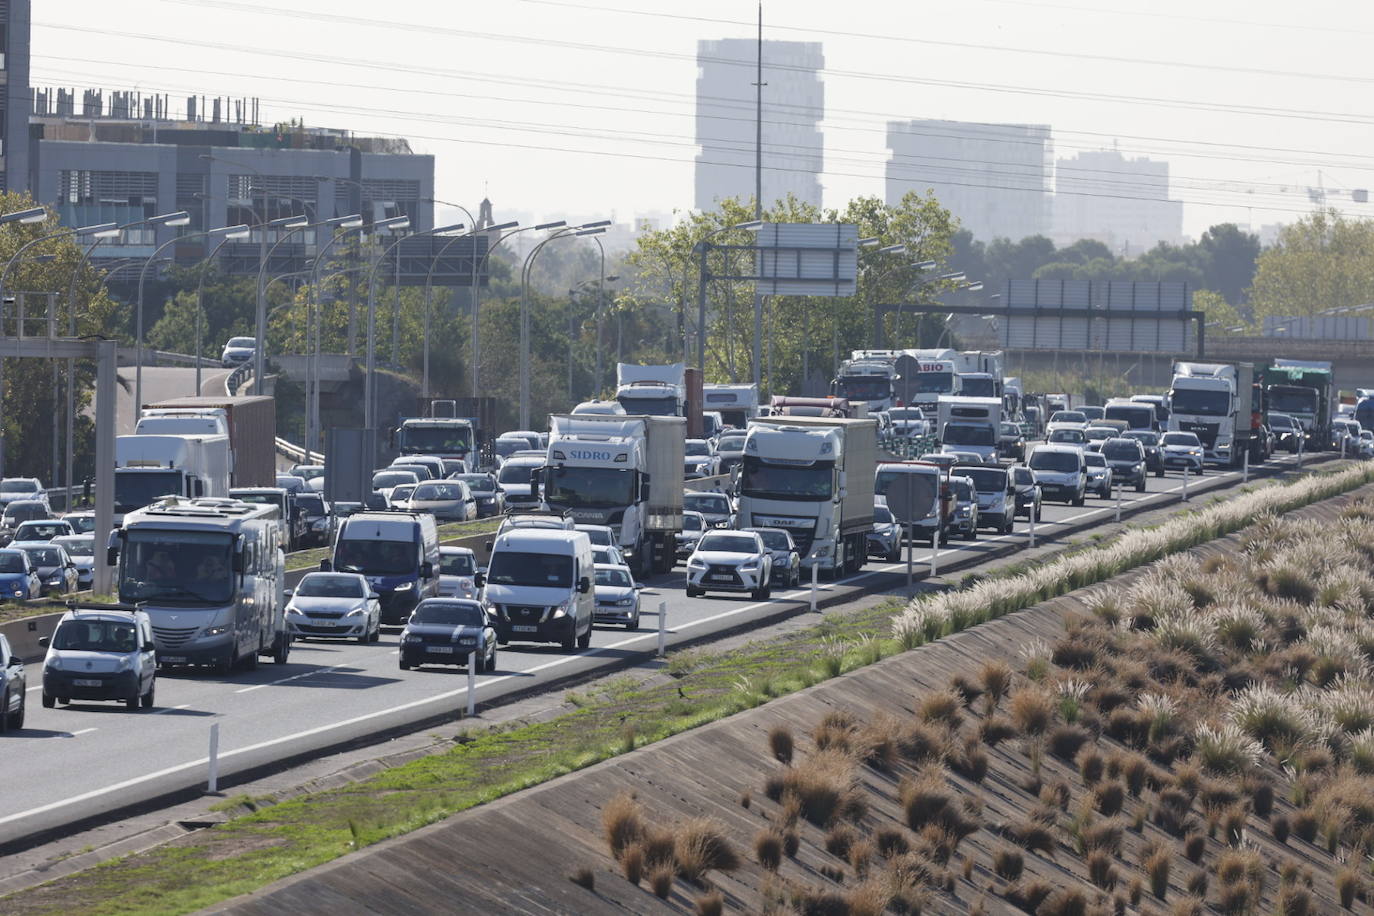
<point x="212" y="784"/>
<point x="1030" y="531"/>
<point x="935" y="554"/>
<point x="815" y="572"/>
<point x="472" y="683"/>
<point x="1301" y="443"/>
<point x="662" y="628"/>
<point x="1185" y="482"/>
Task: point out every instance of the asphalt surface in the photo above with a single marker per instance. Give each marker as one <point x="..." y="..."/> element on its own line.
<point x="83" y="761"/>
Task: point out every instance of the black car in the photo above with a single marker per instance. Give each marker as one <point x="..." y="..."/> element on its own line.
<point x="14" y="686"/>
<point x="1287" y="432"/>
<point x="443" y="631"/>
<point x="319" y="521"/>
<point x="1027" y="491"/>
<point x="1126" y="458"/>
<point x="1149" y="441"/>
<point x="1010" y="443"/>
<point x="491" y="499"/>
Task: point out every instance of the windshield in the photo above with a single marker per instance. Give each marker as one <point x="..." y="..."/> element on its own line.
<point x="516" y="567"/>
<point x="402" y="492"/>
<point x="1291" y="400"/>
<point x="649" y="407"/>
<point x="712" y="503"/>
<point x="697" y="447"/>
<point x="985" y="480"/>
<point x="452" y="440"/>
<point x="376" y="557"/>
<point x="421" y="471"/>
<point x="517" y="473"/>
<point x="1122" y="451"/>
<point x="1146" y="439"/>
<point x="935" y="382"/>
<point x="963" y="489"/>
<point x="979" y="388"/>
<point x="308" y="471"/>
<point x="1073" y="436"/>
<point x="11" y="563"/>
<point x="692" y="522"/>
<point x="1201" y="401"/>
<point x="458" y="564"/>
<point x="82" y="524"/>
<point x="969" y="435"/>
<point x="136" y="489"/>
<point x="18" y="486"/>
<point x="1098" y="433"/>
<point x="906" y="413"/>
<point x="1023" y="476"/>
<point x="1054" y="461"/>
<point x="438" y="491"/>
<point x="731" y="444"/>
<point x="41" y="531"/>
<point x="241" y="342"/>
<point x="27" y="512"/>
<point x="882" y="515"/>
<point x="176" y="567"/>
<point x="1068" y="416"/>
<point x="602" y="487"/>
<point x="1187" y="439"/>
<point x="96" y="636"/>
<point x="728" y="543"/>
<point x="386" y="479"/>
<point x="478" y="483"/>
<point x="616" y="578"/>
<point x="1092" y="413"/>
<point x="1279" y="421"/>
<point x="781" y="481"/>
<point x="598" y="534"/>
<point x="1095" y="460"/>
<point x="309" y="504"/>
<point x="448" y="614"/>
<point x="864" y="389"/>
<point x="78" y="546"/>
<point x="1141" y="417"/>
<point x="324" y="585"/>
<point x="43" y="556"/>
<point x="1011" y="429"/>
<point x="507" y="447"/>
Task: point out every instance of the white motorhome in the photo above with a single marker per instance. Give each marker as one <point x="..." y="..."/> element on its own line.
<point x="659" y="391"/>
<point x="970" y="425"/>
<point x="211" y="578"/>
<point x="814" y="477"/>
<point x="182" y="422"/>
<point x="150" y="466"/>
<point x="736" y="404"/>
<point x="623" y="472"/>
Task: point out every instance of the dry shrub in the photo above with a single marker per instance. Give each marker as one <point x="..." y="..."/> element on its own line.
<point x="995" y="677"/>
<point x="791" y="842"/>
<point x="1157" y="858"/>
<point x="967" y="690"/>
<point x="632" y="863"/>
<point x="1028" y="895"/>
<point x="996" y="730"/>
<point x="1170" y="811"/>
<point x="876" y="743"/>
<point x="860" y="854"/>
<point x="711" y="904"/>
<point x="1349" y="885"/>
<point x="891" y="842"/>
<point x="1134" y="770"/>
<point x="658" y="845"/>
<point x="971" y="762"/>
<point x="702" y="846"/>
<point x="1233" y="821"/>
<point x="1066" y="741"/>
<point x="1032" y="710"/>
<point x="1280" y="826"/>
<point x="768" y="849"/>
<point x="941" y="708"/>
<point x="622" y="822"/>
<point x="1090" y="766"/>
<point x="1067" y="901"/>
<point x="1261" y="792"/>
<point x="1348" y="798"/>
<point x="1197" y="884"/>
<point x="928" y="801"/>
<point x="1101" y="871"/>
<point x="820" y="784"/>
<point x="746" y="799"/>
<point x="918" y="743"/>
<point x="1056" y="794"/>
<point x="820" y="902"/>
<point x="1077" y="650"/>
<point x="838" y="839"/>
<point x="780" y="743"/>
<point x="661" y="881"/>
<point x="1194" y="846"/>
<point x="1304" y="825"/>
<point x="1109" y="797"/>
<point x="1008" y="863"/>
<point x="772" y="786"/>
<point x="1035" y="836"/>
<point x="1237" y="870"/>
<point x="1136" y="891"/>
<point x="1294" y="901"/>
<point x="836" y="730"/>
<point x="1103" y="835"/>
<point x="1188" y="906"/>
<point x="584" y="877"/>
<point x="869" y="899"/>
<point x="834" y="873"/>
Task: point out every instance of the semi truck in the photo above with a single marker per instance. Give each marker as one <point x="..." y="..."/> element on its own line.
<point x="625" y="472"/>
<point x="1214" y="401"/>
<point x="814" y="477"/>
<point x="980" y="373"/>
<point x="1302" y="390"/>
<point x="657" y="391"/>
<point x="736" y="404"/>
<point x="250" y="423"/>
<point x="970" y="424"/>
<point x="152" y="466"/>
<point x="927" y="374"/>
<point x="445" y="437"/>
<point x="870" y="377"/>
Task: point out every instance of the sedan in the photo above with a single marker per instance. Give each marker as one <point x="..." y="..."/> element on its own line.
<point x="730" y="561"/>
<point x="54" y="568"/>
<point x="617" y="596"/>
<point x="1028" y="494"/>
<point x="885" y="540"/>
<point x="1182" y="450"/>
<point x="446" y="500"/>
<point x="786" y="560"/>
<point x="237" y="351"/>
<point x="18" y="579"/>
<point x="491" y="499"/>
<point x="457" y="566"/>
<point x="81" y="548"/>
<point x="445" y="631"/>
<point x="334" y="605"/>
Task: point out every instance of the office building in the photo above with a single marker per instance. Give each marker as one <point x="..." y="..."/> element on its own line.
<point x="1123" y="203"/>
<point x="793" y="106"/>
<point x="995" y="178"/>
<point x="14" y="114"/>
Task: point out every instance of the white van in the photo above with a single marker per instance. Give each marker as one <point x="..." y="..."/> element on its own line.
<point x="100" y="653"/>
<point x="538" y="587"/>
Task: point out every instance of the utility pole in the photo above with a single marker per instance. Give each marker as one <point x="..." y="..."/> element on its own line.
<point x="758" y="195"/>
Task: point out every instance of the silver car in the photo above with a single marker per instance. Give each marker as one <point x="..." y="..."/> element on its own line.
<point x="885" y="540"/>
<point x="617" y="596"/>
<point x="334" y="605"/>
<point x="446" y="500"/>
<point x="786" y="560"/>
<point x="457" y="567"/>
<point x="81" y="548"/>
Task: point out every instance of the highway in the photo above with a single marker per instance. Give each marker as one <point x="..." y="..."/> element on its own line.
<point x="86" y="760"/>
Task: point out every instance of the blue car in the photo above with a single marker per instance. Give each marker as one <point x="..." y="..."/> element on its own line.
<point x="18" y="579"/>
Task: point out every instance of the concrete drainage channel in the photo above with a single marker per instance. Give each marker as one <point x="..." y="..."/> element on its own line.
<point x="795" y="604"/>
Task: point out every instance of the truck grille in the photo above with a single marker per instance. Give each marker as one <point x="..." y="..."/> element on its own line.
<point x="173" y="637"/>
<point x="803" y="539"/>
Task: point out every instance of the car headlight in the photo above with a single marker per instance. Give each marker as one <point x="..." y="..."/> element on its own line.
<point x="408" y="637"/>
<point x="356" y="612"/>
<point x="694" y="563"/>
<point x="293" y="611"/>
<point x="561" y="610"/>
<point x="320" y="524"/>
<point x="54" y="664"/>
<point x="215" y="631"/>
<point x="750" y="564"/>
<point x="404" y="587"/>
<point x="125" y="663"/>
<point x="625" y="602"/>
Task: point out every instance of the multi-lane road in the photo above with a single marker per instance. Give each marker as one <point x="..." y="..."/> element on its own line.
<point x="83" y="761"/>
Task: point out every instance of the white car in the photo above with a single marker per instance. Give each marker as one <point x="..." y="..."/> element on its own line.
<point x="599" y="535"/>
<point x="1182" y="450"/>
<point x="608" y="555"/>
<point x="1066" y="419"/>
<point x="238" y="351"/>
<point x="16" y="488"/>
<point x="386" y="480"/>
<point x="446" y="500"/>
<point x="42" y="529"/>
<point x="617" y="596"/>
<point x="1099" y="474"/>
<point x="82" y="522"/>
<point x="730" y="561"/>
<point x="313" y="475"/>
<point x="730" y="449"/>
<point x="81" y="548"/>
<point x="334" y="605"/>
<point x="700" y="459"/>
<point x="908" y="422"/>
<point x="398" y="498"/>
<point x="1366" y="444"/>
<point x="457" y="567"/>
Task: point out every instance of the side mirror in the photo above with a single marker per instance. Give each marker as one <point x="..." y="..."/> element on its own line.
<point x="584" y="585"/>
<point x="489" y="545"/>
<point x="639" y="586"/>
<point x="426" y="570"/>
<point x="373" y="596"/>
<point x="150" y="646"/>
<point x="16" y="660"/>
<point x="289" y="592"/>
<point x="480" y="580"/>
<point x="44" y="641"/>
<point x="326" y="565"/>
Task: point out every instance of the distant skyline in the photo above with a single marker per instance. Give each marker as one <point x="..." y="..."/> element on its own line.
<point x="556" y="106"/>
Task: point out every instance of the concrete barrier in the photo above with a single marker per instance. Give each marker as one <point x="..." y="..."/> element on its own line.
<point x="24" y="634"/>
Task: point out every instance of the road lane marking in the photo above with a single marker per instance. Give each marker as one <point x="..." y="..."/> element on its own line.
<point x="165" y="709"/>
<point x="84" y="731"/>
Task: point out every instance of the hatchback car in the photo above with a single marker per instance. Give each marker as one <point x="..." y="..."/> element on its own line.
<point x="730" y="561"/>
<point x="1182" y="450"/>
<point x="1010" y="442"/>
<point x="82" y="522"/>
<point x="693" y="526"/>
<point x="18" y="579"/>
<point x="598" y="534"/>
<point x="319" y="521"/>
<point x="56" y="571"/>
<point x="81" y="548"/>
<point x="334" y="605"/>
<point x="1068" y="436"/>
<point x="445" y="631"/>
<point x="1287" y="432"/>
<point x="786" y="560"/>
<point x="1066" y="419"/>
<point x="237" y="351"/>
<point x="43" y="529"/>
<point x="1028" y="493"/>
<point x="608" y="554"/>
<point x="1149" y="442"/>
<point x="700" y="459"/>
<point x="1099" y="474"/>
<point x="491" y="500"/>
<point x="399" y="497"/>
<point x="617" y="596"/>
<point x="457" y="566"/>
<point x="446" y="500"/>
<point x="714" y="507"/>
<point x="100" y="653"/>
<point x="1096" y="435"/>
<point x="1126" y="458"/>
<point x="312" y="474"/>
<point x="964" y="522"/>
<point x="14" y="687"/>
<point x="885" y="540"/>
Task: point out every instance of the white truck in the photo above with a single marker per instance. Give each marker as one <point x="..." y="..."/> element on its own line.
<point x="970" y="425"/>
<point x="980" y="373"/>
<point x="736" y="404"/>
<point x="656" y="391"/>
<point x="868" y="377"/>
<point x="625" y="472"/>
<point x="936" y="373"/>
<point x="814" y="477"/>
<point x="150" y="466"/>
<point x="1213" y="401"/>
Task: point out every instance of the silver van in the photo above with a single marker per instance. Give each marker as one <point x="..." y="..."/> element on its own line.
<point x="538" y="587"/>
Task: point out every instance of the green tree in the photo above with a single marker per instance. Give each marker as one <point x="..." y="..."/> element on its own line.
<point x="1323" y="261"/>
<point x="1228" y="260"/>
<point x="1223" y="318"/>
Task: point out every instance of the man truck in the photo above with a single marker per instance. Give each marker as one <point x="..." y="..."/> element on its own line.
<point x="1214" y="401"/>
<point x="814" y="477"/>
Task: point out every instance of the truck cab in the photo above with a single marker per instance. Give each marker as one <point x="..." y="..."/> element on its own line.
<point x="868" y="379"/>
<point x="1212" y="401"/>
<point x="444" y="437"/>
<point x="657" y="391"/>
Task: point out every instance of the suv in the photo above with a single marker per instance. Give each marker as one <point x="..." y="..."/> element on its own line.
<point x="100" y="653"/>
<point x="14" y="686"/>
<point x="1062" y="472"/>
<point x="730" y="561"/>
<point x="1154" y="458"/>
<point x="237" y="351"/>
<point x="1126" y="458"/>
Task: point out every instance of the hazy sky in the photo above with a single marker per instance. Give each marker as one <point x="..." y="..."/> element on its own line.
<point x="585" y="107"/>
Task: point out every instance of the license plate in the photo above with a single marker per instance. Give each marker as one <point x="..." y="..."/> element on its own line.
<point x="722" y="578"/>
<point x="522" y="629"/>
<point x="326" y="623"/>
<point x="174" y="658"/>
<point x="443" y="650"/>
<point x="81" y="682"/>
